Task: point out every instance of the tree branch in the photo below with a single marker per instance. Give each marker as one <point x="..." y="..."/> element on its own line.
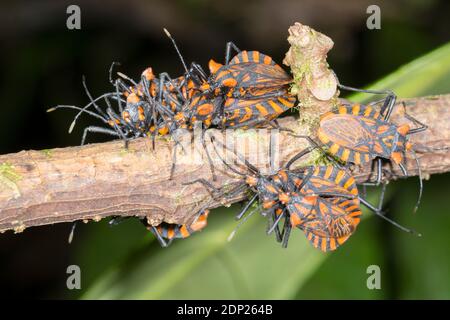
<point x="100" y="180"/>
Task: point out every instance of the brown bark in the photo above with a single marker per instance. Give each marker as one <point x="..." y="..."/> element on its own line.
<point x="101" y="180"/>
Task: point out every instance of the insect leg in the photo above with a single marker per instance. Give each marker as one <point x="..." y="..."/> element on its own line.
<point x="403" y="168"/>
<point x="199" y="76"/>
<point x="98" y="130"/>
<point x="113" y="116"/>
<point x="159" y="237"/>
<point x="286" y="233"/>
<point x="377" y="212"/>
<point x="273" y="224"/>
<point x="364" y="191"/>
<point x="230" y="46"/>
<point x="419" y="198"/>
<point x="379" y="164"/>
<point x="118" y="82"/>
<point x="163" y="76"/>
<point x="176" y="49"/>
<point x="317" y="146"/>
<point x="246" y="207"/>
<point x="298" y="156"/>
<point x="212" y="190"/>
<point x="389" y="102"/>
<point x="421" y="126"/>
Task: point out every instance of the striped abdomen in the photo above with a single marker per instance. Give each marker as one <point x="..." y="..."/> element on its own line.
<point x="255" y="111"/>
<point x="249" y="70"/>
<point x="332" y="222"/>
<point x="356" y="134"/>
<point x="174" y="231"/>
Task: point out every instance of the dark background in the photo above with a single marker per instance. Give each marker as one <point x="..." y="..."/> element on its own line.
<point x="42" y="63"/>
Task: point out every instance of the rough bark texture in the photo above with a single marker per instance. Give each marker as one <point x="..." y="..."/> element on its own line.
<point x="101" y="180"/>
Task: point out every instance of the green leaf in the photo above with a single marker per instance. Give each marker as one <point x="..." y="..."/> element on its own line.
<point x="252" y="265"/>
<point x="427" y="75"/>
<point x="208" y="266"/>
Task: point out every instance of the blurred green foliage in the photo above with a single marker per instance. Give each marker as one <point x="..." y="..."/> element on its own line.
<point x="124" y="263"/>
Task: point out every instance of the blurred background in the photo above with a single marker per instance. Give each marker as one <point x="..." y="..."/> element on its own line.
<point x="42" y="63"/>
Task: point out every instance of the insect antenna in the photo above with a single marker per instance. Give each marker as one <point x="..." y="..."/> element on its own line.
<point x="389" y="101"/>
<point x="245" y="209"/>
<point x="275" y="223"/>
<point x="298" y="156"/>
<point x="100" y="111"/>
<point x="176" y="48"/>
<point x="78" y="108"/>
<point x="233" y="233"/>
<point x="419" y="170"/>
<point x="113" y="64"/>
<point x="124" y="76"/>
<point x="113" y="116"/>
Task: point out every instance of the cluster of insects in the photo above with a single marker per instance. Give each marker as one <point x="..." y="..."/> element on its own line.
<point x="248" y="91"/>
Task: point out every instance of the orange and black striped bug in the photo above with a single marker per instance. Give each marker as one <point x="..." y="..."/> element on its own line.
<point x="248" y="90"/>
<point x="160" y="105"/>
<point x="326" y="221"/>
<point x="302" y="189"/>
<point x="131" y="119"/>
<point x="325" y="197"/>
<point x="359" y="134"/>
<point x="245" y="74"/>
<point x="254" y="111"/>
<point x="307" y="198"/>
<point x="120" y="128"/>
<point x="265" y="190"/>
<point x="281" y="193"/>
<point x="146" y="108"/>
<point x="306" y="186"/>
<point x="314" y="195"/>
<point x="165" y="233"/>
<point x="254" y="87"/>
